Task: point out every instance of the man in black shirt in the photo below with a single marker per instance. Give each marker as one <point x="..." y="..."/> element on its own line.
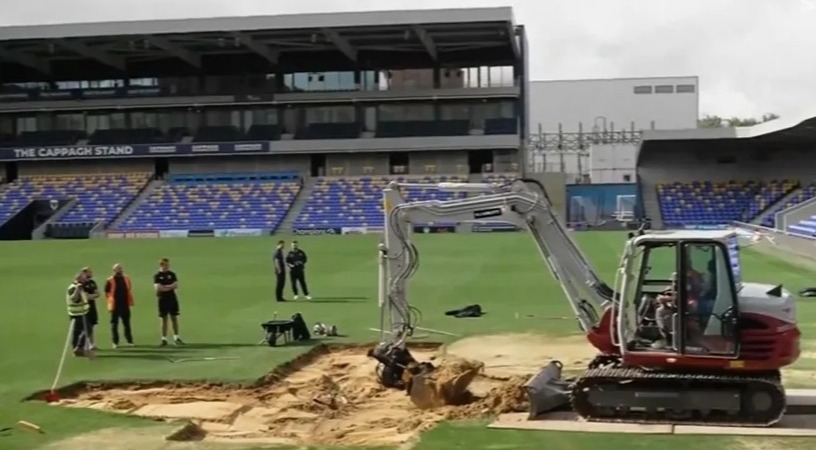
<point x="296" y="260"/>
<point x="166" y="283"/>
<point x="92" y="290"/>
<point x="280" y="272"/>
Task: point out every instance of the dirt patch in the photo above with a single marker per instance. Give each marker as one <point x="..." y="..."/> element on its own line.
<point x="332" y="397"/>
<point x="523" y="354"/>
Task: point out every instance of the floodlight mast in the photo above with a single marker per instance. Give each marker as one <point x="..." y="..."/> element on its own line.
<point x="516" y="204"/>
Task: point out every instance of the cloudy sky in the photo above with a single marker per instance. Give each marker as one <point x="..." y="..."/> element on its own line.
<point x="752" y="57"/>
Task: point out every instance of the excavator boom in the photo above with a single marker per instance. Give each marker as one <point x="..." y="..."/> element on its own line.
<point x="516" y="204"/>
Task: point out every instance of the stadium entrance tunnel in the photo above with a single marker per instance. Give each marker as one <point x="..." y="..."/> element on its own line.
<point x="327" y="396"/>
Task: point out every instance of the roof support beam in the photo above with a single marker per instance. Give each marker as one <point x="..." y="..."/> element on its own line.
<point x="88" y="52"/>
<point x="26" y="60"/>
<point x="427" y="41"/>
<point x="341" y="43"/>
<point x="175" y="50"/>
<point x="258" y="48"/>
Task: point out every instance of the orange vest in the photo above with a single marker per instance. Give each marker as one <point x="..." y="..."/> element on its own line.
<point x="112" y="293"/>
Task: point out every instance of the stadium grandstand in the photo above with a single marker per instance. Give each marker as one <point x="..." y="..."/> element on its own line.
<point x="252" y="125"/>
<point x="760" y="176"/>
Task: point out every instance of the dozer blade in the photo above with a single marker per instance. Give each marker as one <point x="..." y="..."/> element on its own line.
<point x="547" y="391"/>
<point x="442" y="387"/>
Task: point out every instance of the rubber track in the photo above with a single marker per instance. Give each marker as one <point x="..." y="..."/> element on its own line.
<point x="635" y="378"/>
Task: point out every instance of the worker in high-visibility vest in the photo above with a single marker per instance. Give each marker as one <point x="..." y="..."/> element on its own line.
<point x="119" y="293"/>
<point x="77" y="302"/>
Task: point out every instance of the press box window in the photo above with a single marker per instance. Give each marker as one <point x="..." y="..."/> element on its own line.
<point x="643" y="89"/>
<point x="664" y="89"/>
<point x="685" y="89"/>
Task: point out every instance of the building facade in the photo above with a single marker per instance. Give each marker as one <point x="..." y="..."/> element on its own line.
<point x="659" y="103"/>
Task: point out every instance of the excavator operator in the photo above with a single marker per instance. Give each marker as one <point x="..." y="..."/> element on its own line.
<point x="667" y="307"/>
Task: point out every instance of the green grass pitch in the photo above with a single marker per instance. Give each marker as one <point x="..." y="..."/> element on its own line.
<point x="226" y="288"/>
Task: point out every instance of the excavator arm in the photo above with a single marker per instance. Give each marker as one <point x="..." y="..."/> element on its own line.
<point x="517" y="204"/>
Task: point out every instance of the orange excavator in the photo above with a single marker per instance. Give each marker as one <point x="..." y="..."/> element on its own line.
<point x="681" y="338"/>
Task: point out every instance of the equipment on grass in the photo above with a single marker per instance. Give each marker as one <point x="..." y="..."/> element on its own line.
<point x="321" y="329"/>
<point x="53" y="396"/>
<point x="712" y="355"/>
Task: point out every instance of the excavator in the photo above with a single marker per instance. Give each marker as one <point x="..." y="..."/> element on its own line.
<point x="681" y="338"/>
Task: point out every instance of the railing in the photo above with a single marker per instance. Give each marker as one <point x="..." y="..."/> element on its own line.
<point x="771" y="240"/>
<point x="795" y="213"/>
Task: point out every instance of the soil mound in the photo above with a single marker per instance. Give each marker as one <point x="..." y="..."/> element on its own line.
<point x="334" y="398"/>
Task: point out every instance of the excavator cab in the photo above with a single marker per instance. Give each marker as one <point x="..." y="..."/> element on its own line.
<point x="678" y="294"/>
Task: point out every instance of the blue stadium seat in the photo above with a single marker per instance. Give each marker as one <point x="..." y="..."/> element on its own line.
<point x="804" y="227"/>
<point x="357" y="201"/>
<point x="805" y="194"/>
<point x="769" y="193"/>
<point x="704" y="202"/>
<point x="101" y="198"/>
<point x="215" y="204"/>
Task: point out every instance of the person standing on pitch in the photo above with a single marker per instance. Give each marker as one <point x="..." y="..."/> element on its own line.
<point x="92" y="293"/>
<point x="166" y="282"/>
<point x="280" y="271"/>
<point x="296" y="260"/>
<point x="78" y="307"/>
<point x="119" y="293"/>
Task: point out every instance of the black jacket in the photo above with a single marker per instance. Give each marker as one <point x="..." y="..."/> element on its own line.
<point x="296" y="259"/>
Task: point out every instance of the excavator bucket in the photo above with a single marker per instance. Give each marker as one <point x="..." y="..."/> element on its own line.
<point x="445" y="385"/>
<point x="547" y="391"/>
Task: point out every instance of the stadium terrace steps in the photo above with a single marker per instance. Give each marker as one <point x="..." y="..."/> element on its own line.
<point x="101" y="197"/>
<point x="760" y="219"/>
<point x="216" y="201"/>
<point x="338" y="202"/>
<point x="143" y="195"/>
<point x="767" y="196"/>
<point x="716" y="203"/>
<point x="795" y="198"/>
<point x="287" y="225"/>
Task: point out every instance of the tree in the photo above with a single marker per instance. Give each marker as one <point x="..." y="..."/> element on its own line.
<point x="714" y="121"/>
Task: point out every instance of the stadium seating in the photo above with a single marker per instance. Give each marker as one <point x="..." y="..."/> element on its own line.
<point x="100" y="197"/>
<point x="357" y="201"/>
<point x="216" y="201"/>
<point x="705" y="202"/>
<point x="768" y="194"/>
<point x="806" y="193"/>
<point x="501" y="178"/>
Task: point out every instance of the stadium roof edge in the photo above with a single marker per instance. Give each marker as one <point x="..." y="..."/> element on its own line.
<point x="249" y="23"/>
<point x="801" y="122"/>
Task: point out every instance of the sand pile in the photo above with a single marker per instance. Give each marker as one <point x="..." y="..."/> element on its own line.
<point x="447" y="384"/>
<point x="334" y="399"/>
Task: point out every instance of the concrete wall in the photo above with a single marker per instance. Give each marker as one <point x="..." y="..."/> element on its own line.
<point x="593" y="102"/>
<point x="79" y="167"/>
<point x="613" y="163"/>
<point x="442" y="162"/>
<point x="241" y="164"/>
<point x="357" y="164"/>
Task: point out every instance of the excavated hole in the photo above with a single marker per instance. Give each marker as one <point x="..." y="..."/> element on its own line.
<point x="328" y="396"/>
